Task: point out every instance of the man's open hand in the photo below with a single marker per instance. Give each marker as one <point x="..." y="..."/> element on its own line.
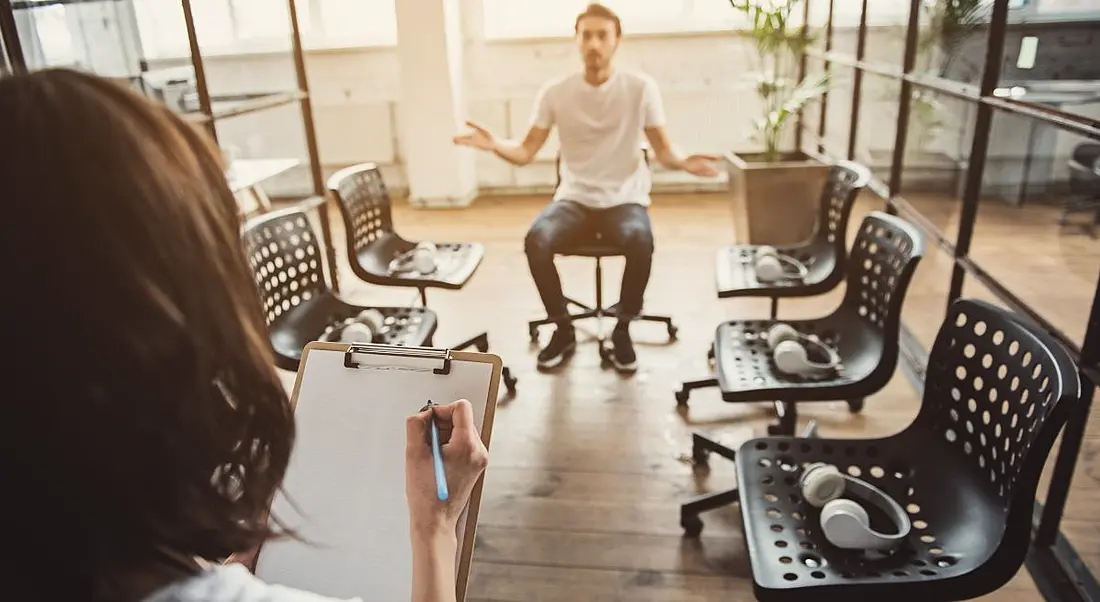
<point x="479" y="138"/>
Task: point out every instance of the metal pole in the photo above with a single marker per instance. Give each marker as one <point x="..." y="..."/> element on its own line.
<point x="802" y="70"/>
<point x="979" y="148"/>
<point x="905" y="100"/>
<point x="200" y="70"/>
<point x="1073" y="433"/>
<point x="315" y="170"/>
<point x="9" y="35"/>
<point x="857" y="83"/>
<point x="825" y="96"/>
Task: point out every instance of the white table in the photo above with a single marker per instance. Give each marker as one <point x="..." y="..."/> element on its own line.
<point x="246" y="177"/>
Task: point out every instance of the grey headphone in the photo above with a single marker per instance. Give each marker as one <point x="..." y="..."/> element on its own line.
<point x="789" y="350"/>
<point x="771" y="266"/>
<point x="420" y="259"/>
<point x="845" y="522"/>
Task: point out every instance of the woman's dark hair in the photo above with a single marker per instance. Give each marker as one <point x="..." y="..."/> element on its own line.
<point x="144" y="417"/>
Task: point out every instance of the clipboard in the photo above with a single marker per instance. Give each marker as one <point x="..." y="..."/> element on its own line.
<point x="344" y="491"/>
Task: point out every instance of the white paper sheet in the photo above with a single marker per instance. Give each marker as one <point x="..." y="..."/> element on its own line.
<point x="346" y="478"/>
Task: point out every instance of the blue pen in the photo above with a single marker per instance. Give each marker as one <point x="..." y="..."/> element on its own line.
<point x="437" y="459"/>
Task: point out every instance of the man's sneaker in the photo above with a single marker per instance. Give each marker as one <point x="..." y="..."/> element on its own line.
<point x="559" y="349"/>
<point x="622" y="350"/>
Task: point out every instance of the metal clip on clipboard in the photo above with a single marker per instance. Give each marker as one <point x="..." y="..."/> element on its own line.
<point x="443" y="355"/>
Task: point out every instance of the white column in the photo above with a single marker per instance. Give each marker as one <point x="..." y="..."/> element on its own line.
<point x="432" y="106"/>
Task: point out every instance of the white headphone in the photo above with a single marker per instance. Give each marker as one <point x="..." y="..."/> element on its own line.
<point x="771" y="265"/>
<point x="844" y="522"/>
<point x="364" y="328"/>
<point x="788" y="347"/>
<point x="421" y="258"/>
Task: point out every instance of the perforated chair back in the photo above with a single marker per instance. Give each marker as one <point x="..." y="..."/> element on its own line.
<point x="996" y="395"/>
<point x="286" y="263"/>
<point x="846" y="180"/>
<point x="880" y="266"/>
<point x="367" y="211"/>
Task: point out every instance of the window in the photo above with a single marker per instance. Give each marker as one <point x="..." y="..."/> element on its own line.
<point x="509" y="19"/>
<point x="231" y="26"/>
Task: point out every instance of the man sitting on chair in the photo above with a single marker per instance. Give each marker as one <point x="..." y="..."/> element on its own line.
<point x="604" y="186"/>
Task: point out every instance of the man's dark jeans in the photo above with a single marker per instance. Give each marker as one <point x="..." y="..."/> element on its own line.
<point x="562" y="224"/>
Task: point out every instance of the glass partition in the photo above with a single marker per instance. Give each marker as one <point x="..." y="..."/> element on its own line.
<point x="937" y="149"/>
<point x="1036" y="226"/>
<point x="886" y="26"/>
<point x="878" y="123"/>
<point x="838" y="113"/>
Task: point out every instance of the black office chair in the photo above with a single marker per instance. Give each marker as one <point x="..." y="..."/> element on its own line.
<point x="596" y="248"/>
<point x="298" y="302"/>
<point x="1084" y="184"/>
<point x="823" y="253"/>
<point x="967" y="470"/>
<point x="373" y="243"/>
<point x="863" y="330"/>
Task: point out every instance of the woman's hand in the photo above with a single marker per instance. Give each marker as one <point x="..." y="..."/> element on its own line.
<point x="434" y="523"/>
<point x="464" y="459"/>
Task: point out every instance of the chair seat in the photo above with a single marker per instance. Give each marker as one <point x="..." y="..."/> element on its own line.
<point x="957" y="522"/>
<point x="735" y="276"/>
<point x="592" y="244"/>
<point x="455" y="265"/>
<point x="746" y="371"/>
<point x="406" y="326"/>
<point x="592" y="251"/>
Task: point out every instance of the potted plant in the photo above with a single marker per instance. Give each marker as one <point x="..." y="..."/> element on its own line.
<point x="775" y="190"/>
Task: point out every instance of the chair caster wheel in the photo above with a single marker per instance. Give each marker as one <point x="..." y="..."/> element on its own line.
<point x="672" y="332"/>
<point x="509" y="381"/>
<point x="855" y="406"/>
<point x="605" y="358"/>
<point x="693" y="525"/>
<point x="700" y="457"/>
<point x="682" y="398"/>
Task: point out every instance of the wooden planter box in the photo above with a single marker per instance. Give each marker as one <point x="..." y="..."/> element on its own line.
<point x="775" y="203"/>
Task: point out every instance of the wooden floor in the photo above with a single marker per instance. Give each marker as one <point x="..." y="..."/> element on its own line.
<point x="588" y="468"/>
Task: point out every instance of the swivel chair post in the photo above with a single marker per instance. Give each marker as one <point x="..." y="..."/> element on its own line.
<point x="599" y="311"/>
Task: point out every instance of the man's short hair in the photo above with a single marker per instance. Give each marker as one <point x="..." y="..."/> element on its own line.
<point x="596" y="9"/>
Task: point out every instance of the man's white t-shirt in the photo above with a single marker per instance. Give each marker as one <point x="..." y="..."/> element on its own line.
<point x="601" y="130"/>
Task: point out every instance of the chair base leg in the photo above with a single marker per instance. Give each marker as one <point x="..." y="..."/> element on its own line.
<point x="690" y="385"/>
<point x="701" y="448"/>
<point x="787" y="413"/>
<point x="481" y="343"/>
<point x="599" y="312"/>
<point x="689" y="511"/>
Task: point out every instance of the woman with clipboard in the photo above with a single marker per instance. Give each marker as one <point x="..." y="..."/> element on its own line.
<point x="146" y="430"/>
